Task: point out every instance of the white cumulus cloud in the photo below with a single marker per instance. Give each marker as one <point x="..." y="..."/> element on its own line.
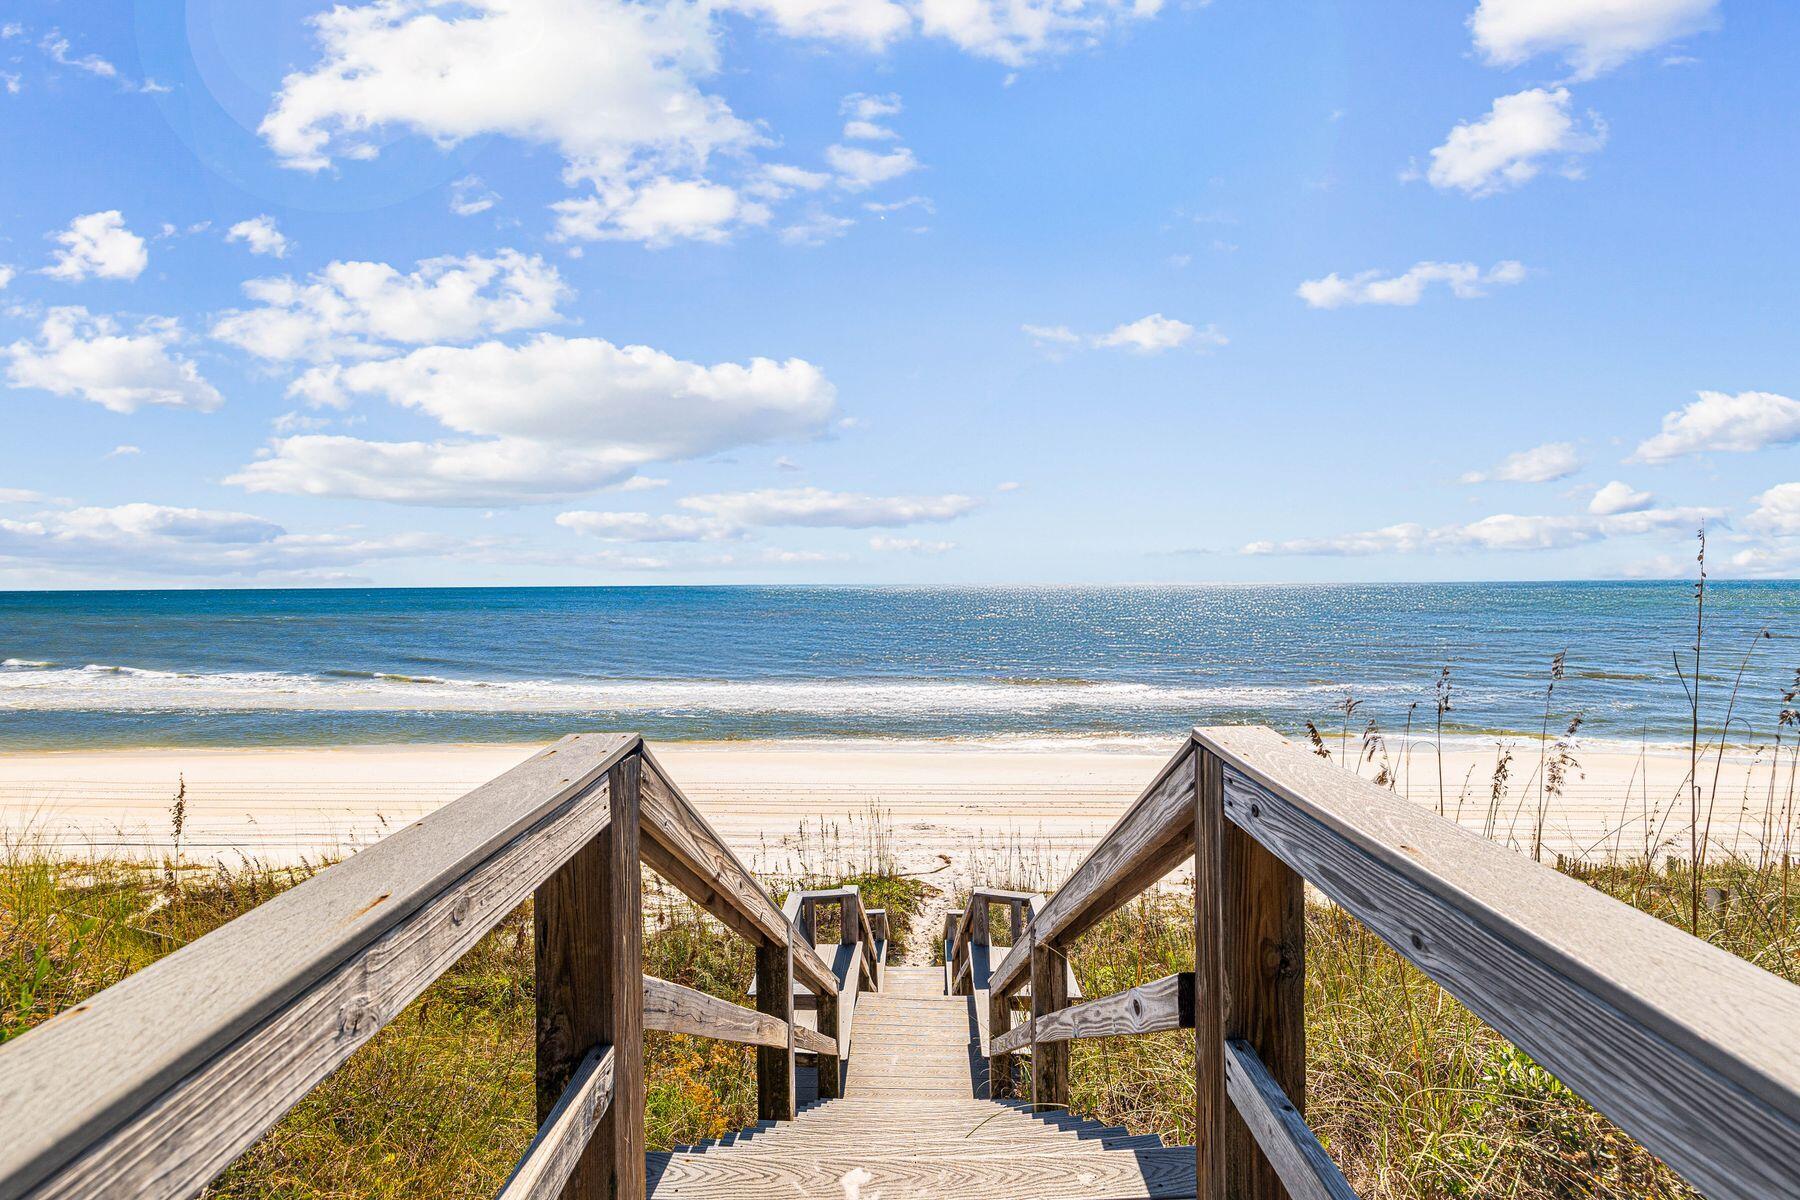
<point x="646" y="527"/>
<point x="551" y="418"/>
<point x="1777" y="511"/>
<point x="658" y="213"/>
<point x="80" y="354"/>
<point x="1465" y="280"/>
<point x="1540" y="464"/>
<point x="98" y="244"/>
<point x="354" y="309"/>
<point x="1722" y="421"/>
<point x="894" y="545"/>
<point x="261" y="235"/>
<point x="1619" y="497"/>
<point x="1512" y="143"/>
<point x="1592" y="36"/>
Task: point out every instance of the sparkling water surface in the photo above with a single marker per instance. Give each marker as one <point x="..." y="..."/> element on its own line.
<point x="493" y="664"/>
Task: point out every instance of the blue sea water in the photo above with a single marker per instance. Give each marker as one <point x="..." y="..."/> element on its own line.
<point x="340" y="666"/>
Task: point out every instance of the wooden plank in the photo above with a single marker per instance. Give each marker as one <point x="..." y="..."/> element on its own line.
<point x="553" y="1154"/>
<point x="1166" y="1003"/>
<point x="1648" y="1024"/>
<point x="829" y="1067"/>
<point x="100" y="1099"/>
<point x="672" y="1008"/>
<point x="814" y="1042"/>
<point x="686" y="851"/>
<point x="1262" y="951"/>
<point x="1058" y="1174"/>
<point x="775" y="1065"/>
<point x="1049" y="1060"/>
<point x="589" y="925"/>
<point x="1152" y="837"/>
<point x="1286" y="1140"/>
<point x="1212" y="1108"/>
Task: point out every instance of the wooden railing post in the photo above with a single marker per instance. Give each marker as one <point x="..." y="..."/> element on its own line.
<point x="1049" y="1060"/>
<point x="1000" y="1066"/>
<point x="589" y="927"/>
<point x="1250" y="984"/>
<point x="775" y="996"/>
<point x="830" y="1066"/>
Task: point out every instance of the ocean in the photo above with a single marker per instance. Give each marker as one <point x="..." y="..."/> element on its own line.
<point x="282" y="667"/>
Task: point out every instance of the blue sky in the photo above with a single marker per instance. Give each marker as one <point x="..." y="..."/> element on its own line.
<point x="579" y="291"/>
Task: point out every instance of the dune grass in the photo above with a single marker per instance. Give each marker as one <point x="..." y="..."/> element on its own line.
<point x="1413" y="1095"/>
<point x="440" y="1102"/>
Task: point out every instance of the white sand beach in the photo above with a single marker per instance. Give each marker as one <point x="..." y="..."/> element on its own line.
<point x="957" y="804"/>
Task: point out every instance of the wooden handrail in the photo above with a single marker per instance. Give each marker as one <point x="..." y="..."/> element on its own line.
<point x="272" y="1001"/>
<point x="1152" y="838"/>
<point x="1647" y="1023"/>
<point x="153" y="1086"/>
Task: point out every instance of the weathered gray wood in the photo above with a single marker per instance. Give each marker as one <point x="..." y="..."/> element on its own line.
<point x="589" y="923"/>
<point x="829" y="1066"/>
<point x="672" y="1008"/>
<point x="1166" y="1003"/>
<point x="1059" y="1174"/>
<point x="1049" y="1060"/>
<point x="775" y="1065"/>
<point x="1286" y="1140"/>
<point x="1262" y="949"/>
<point x="1000" y="1063"/>
<point x="814" y="1042"/>
<point x="1651" y="1026"/>
<point x="115" y="1097"/>
<point x="553" y="1154"/>
<point x="1212" y="1107"/>
<point x="1152" y="837"/>
<point x="684" y="850"/>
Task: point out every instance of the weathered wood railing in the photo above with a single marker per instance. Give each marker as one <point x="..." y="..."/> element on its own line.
<point x="152" y="1087"/>
<point x="1692" y="1050"/>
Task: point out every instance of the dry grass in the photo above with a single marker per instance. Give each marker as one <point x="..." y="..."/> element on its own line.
<point x="439" y="1103"/>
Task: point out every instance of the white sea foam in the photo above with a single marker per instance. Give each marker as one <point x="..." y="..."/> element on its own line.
<point x="102" y="687"/>
<point x="23" y="664"/>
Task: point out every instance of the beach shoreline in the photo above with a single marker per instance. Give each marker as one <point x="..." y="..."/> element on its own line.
<point x="934" y="803"/>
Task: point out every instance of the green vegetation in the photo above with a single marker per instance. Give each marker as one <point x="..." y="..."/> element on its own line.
<point x="439" y="1103"/>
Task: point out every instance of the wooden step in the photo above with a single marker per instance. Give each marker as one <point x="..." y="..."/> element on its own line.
<point x="1060" y="1173"/>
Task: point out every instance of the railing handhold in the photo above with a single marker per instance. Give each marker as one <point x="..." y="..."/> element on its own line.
<point x="550" y="1160"/>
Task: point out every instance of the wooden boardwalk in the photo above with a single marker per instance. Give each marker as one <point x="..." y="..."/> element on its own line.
<point x="915" y="1122"/>
<point x="893" y="1083"/>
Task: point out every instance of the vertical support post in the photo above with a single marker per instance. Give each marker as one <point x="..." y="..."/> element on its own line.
<point x="978" y="920"/>
<point x="1211" y="1105"/>
<point x="1000" y="1066"/>
<point x="850" y="920"/>
<point x="830" y="1066"/>
<point x="1049" y="1060"/>
<point x="1261" y="911"/>
<point x="588" y="920"/>
<point x="775" y="996"/>
<point x="1016" y="929"/>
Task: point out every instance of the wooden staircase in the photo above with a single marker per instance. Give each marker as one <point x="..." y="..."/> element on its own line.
<point x="914" y="1122"/>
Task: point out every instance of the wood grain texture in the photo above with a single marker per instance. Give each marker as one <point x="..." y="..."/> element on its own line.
<point x="1166" y="1003"/>
<point x="1651" y="1026"/>
<point x="553" y="1154"/>
<point x="1000" y="1063"/>
<point x="814" y="1042"/>
<point x="195" y="1123"/>
<point x="775" y="1065"/>
<point x="672" y="1008"/>
<point x="1286" y="1140"/>
<point x="589" y="924"/>
<point x="687" y="852"/>
<point x="1262" y="950"/>
<point x="1049" y="1060"/>
<point x="1212" y="1107"/>
<point x="1152" y="837"/>
<point x="1060" y="1174"/>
